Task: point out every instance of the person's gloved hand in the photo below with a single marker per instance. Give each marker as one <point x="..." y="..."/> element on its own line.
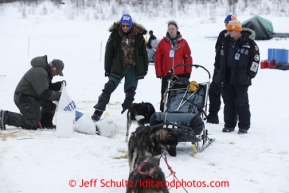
<point x="123" y="110"/>
<point x="106" y="73"/>
<point x="169" y="74"/>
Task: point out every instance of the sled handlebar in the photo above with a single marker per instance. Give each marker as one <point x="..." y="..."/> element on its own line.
<point x="194" y="65"/>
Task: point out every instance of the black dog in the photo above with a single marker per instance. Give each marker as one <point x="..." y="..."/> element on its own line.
<point x="139" y="112"/>
<point x="151" y="141"/>
<point x="147" y="177"/>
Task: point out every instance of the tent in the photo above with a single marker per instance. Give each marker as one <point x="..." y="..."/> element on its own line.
<point x="262" y="27"/>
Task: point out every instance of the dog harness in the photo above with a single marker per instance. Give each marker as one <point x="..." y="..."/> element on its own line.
<point x="146" y="173"/>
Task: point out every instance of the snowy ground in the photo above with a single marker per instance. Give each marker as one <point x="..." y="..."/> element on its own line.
<point x="39" y="161"/>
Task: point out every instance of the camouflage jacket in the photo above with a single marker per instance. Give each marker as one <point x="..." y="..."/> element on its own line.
<point x="126" y="51"/>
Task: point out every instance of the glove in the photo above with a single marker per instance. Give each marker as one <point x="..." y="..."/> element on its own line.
<point x="123" y="110"/>
<point x="106" y="73"/>
<point x="169" y="74"/>
<point x="193" y="86"/>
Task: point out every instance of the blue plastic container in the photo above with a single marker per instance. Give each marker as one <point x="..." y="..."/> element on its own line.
<point x="271" y="54"/>
<point x="281" y="56"/>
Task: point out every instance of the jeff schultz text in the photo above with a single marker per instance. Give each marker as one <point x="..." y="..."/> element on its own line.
<point x="103" y="183"/>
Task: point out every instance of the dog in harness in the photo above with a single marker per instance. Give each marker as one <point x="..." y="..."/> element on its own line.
<point x="146" y="177"/>
<point x="151" y="141"/>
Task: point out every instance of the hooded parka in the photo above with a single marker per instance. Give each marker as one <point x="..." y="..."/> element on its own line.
<point x="114" y="56"/>
<point x="36" y="82"/>
<point x="245" y="60"/>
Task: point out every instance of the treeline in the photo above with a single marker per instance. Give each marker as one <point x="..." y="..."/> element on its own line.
<point x="108" y="9"/>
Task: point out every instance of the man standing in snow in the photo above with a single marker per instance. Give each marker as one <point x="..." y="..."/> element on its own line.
<point x="151" y="38"/>
<point x="236" y="64"/>
<point x="125" y="56"/>
<point x="34" y="95"/>
<point x="151" y="46"/>
<point x="215" y="90"/>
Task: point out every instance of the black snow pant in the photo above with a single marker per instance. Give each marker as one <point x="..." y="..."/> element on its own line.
<point x="32" y="111"/>
<point x="163" y="89"/>
<point x="215" y="99"/>
<point x="236" y="102"/>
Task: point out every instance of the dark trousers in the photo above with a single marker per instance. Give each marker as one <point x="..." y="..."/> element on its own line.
<point x="236" y="102"/>
<point x="215" y="99"/>
<point x="130" y="86"/>
<point x="32" y="111"/>
<point x="164" y="86"/>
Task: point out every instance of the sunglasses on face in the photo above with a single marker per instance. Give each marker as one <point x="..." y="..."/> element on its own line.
<point x="125" y="26"/>
<point x="230" y="31"/>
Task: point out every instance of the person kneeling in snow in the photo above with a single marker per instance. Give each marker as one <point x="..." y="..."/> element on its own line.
<point x="34" y="95"/>
<point x="125" y="56"/>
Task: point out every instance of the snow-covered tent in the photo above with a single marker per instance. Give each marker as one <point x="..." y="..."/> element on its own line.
<point x="262" y="27"/>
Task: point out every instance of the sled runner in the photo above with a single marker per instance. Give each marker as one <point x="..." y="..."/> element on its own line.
<point x="185" y="109"/>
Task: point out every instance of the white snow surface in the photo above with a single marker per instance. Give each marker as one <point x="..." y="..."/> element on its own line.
<point x="39" y="161"/>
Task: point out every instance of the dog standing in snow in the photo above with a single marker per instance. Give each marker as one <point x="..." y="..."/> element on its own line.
<point x="139" y="113"/>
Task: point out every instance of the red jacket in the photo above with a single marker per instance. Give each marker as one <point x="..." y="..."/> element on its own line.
<point x="163" y="61"/>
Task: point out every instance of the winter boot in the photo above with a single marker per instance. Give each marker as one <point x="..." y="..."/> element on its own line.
<point x="46" y="121"/>
<point x="227" y="130"/>
<point x="2" y="121"/>
<point x="242" y="131"/>
<point x="212" y="118"/>
<point x="127" y="104"/>
<point x="96" y="115"/>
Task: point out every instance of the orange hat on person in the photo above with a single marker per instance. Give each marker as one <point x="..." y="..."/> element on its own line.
<point x="234" y="24"/>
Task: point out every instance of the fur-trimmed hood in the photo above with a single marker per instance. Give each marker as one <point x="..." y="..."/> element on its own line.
<point x="136" y="28"/>
<point x="251" y="33"/>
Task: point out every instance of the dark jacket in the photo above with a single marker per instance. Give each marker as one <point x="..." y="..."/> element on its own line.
<point x="152" y="37"/>
<point x="36" y="82"/>
<point x="218" y="44"/>
<point x="245" y="60"/>
<point x="221" y="37"/>
<point x="114" y="56"/>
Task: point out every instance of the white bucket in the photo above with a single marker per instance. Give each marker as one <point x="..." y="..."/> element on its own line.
<point x="64" y="123"/>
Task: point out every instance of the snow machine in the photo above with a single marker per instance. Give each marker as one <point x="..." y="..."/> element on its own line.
<point x="185" y="109"/>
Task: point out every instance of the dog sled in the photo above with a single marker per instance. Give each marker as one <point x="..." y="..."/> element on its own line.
<point x="185" y="109"/>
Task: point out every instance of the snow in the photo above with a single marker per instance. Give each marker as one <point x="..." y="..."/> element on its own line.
<point x="39" y="161"/>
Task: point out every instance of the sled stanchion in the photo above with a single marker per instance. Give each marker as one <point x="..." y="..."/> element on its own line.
<point x="100" y="50"/>
<point x="195" y="65"/>
<point x="28" y="46"/>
